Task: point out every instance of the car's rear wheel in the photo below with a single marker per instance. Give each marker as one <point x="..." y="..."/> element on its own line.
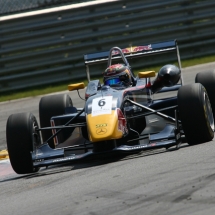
<point x="195" y="113"/>
<point x="207" y="79"/>
<point x="22" y="139"/>
<point x="49" y="106"/>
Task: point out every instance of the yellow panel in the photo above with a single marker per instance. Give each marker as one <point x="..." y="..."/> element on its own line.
<point x="146" y="74"/>
<point x="103" y="127"/>
<point x="77" y="86"/>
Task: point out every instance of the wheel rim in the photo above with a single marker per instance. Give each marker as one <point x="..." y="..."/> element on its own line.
<point x="209" y="111"/>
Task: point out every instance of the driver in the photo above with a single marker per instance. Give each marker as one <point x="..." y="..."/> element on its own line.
<point x="117" y="75"/>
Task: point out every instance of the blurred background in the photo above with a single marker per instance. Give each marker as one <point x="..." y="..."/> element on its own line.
<point x="42" y="42"/>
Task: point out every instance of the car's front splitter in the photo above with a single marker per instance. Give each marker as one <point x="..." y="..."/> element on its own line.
<point x="54" y="157"/>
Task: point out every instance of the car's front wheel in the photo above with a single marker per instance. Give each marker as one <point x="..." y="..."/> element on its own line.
<point x="195" y="113"/>
<point x="22" y="139"/>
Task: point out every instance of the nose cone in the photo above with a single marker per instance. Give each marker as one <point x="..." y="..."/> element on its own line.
<point x="103" y="127"/>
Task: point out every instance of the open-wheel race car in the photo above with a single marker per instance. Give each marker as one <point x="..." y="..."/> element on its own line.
<point x="119" y="115"/>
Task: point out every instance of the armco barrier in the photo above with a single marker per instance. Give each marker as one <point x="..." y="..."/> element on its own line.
<point x="20" y="6"/>
<point x="47" y="46"/>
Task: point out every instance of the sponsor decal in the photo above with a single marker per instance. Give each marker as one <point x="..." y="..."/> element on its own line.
<point x="102" y="105"/>
<point x="133" y="49"/>
<point x="39" y="160"/>
<point x="63" y="159"/>
<point x="122" y="124"/>
<point x="101" y="125"/>
<point x="134" y="147"/>
<point x="101" y="131"/>
<point x="126" y="50"/>
<point x="141" y="48"/>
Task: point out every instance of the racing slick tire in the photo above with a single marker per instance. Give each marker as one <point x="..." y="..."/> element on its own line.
<point x="207" y="79"/>
<point x="49" y="106"/>
<point x="195" y="113"/>
<point x="22" y="139"/>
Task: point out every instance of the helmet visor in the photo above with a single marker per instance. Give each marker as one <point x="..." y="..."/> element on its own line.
<point x="112" y="81"/>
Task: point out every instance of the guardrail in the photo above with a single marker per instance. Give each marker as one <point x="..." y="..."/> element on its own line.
<point x="47" y="46"/>
<point x="20" y="6"/>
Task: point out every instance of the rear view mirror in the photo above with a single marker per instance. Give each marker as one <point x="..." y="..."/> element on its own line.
<point x="146" y="74"/>
<point x="77" y="86"/>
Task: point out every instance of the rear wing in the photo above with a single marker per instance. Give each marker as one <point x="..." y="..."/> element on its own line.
<point x="133" y="52"/>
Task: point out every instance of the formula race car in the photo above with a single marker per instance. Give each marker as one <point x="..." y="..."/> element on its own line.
<point x="119" y="115"/>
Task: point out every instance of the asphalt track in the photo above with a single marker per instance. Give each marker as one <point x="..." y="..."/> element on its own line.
<point x="151" y="183"/>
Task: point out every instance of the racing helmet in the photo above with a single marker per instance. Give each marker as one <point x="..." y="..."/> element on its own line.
<point x="117" y="74"/>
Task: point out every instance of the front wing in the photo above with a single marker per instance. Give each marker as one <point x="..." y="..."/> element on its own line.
<point x="46" y="156"/>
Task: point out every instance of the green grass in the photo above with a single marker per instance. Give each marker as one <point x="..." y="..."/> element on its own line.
<point x="196" y="61"/>
<point x="32" y="92"/>
<point x="63" y="86"/>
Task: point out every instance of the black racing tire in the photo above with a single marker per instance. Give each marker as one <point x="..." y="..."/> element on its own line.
<point x="22" y="139"/>
<point x="207" y="79"/>
<point x="49" y="106"/>
<point x="195" y="113"/>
